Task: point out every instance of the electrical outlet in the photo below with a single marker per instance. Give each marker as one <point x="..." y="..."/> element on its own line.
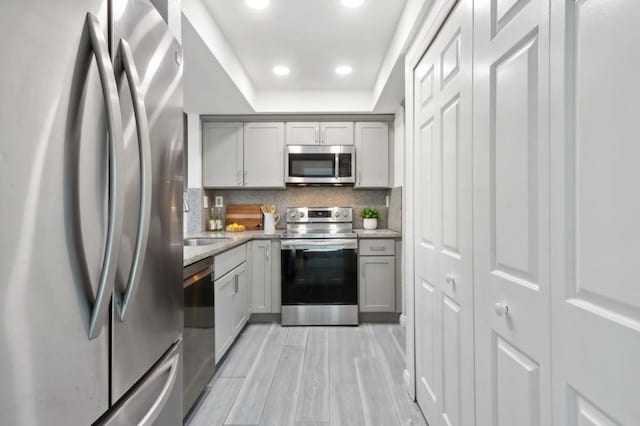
<point x="386" y="201"/>
<point x="219" y="201"/>
<point x="205" y="202"/>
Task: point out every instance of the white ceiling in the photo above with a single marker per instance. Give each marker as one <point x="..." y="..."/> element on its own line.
<point x="230" y="50"/>
<point x="312" y="37"/>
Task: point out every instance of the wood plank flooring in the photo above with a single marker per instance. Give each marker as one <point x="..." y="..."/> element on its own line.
<point x="311" y="376"/>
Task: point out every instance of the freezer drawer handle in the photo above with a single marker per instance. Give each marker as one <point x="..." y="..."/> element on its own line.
<point x="171" y="365"/>
<point x="123" y="302"/>
<point x="116" y="195"/>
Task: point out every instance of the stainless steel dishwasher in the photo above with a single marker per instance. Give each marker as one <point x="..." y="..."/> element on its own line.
<point x="199" y="330"/>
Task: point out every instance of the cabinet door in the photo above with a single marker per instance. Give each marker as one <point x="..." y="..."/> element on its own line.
<point x="222" y="155"/>
<point x="595" y="231"/>
<point x="224" y="289"/>
<point x="336" y="133"/>
<point x="372" y="155"/>
<point x="303" y="133"/>
<point x="377" y="283"/>
<point x="264" y="155"/>
<point x="276" y="276"/>
<point x="261" y="276"/>
<point x="240" y="299"/>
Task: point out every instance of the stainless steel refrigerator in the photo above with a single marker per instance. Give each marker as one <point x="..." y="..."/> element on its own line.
<point x="90" y="214"/>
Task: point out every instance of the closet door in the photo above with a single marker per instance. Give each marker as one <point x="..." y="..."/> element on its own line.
<point x="595" y="212"/>
<point x="511" y="212"/>
<point x="443" y="263"/>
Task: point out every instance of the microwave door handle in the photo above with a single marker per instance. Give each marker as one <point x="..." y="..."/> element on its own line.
<point x="144" y="214"/>
<point x="337" y="170"/>
<point x="116" y="176"/>
<point x="321" y="250"/>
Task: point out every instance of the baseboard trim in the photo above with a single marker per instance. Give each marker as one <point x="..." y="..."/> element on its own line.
<point x="264" y="318"/>
<point x="383" y="317"/>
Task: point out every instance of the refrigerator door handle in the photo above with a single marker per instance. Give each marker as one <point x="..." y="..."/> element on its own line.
<point x="109" y="86"/>
<point x="124" y="301"/>
<point x="172" y="365"/>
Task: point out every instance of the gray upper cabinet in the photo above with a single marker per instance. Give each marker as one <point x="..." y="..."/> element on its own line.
<point x="319" y="133"/>
<point x="336" y="133"/>
<point x="372" y="155"/>
<point x="264" y="155"/>
<point x="303" y="133"/>
<point x="222" y="155"/>
<point x="236" y="155"/>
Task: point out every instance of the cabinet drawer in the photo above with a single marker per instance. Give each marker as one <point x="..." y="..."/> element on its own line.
<point x="377" y="247"/>
<point x="228" y="260"/>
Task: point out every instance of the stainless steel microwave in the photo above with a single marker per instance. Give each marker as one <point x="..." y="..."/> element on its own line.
<point x="320" y="165"/>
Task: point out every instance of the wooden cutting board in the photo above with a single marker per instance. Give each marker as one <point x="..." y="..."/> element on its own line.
<point x="248" y="215"/>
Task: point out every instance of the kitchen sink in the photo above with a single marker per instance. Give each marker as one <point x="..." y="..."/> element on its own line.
<point x="204" y="241"/>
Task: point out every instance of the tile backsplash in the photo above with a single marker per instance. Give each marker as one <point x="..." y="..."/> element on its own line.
<point x="310" y="197"/>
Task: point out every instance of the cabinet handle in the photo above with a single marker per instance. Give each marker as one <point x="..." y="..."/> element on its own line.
<point x="246" y="172"/>
<point x="235" y="284"/>
<point x="239" y="177"/>
<point x="377" y="248"/>
<point x="450" y="278"/>
<point x="268" y="251"/>
<point x="316" y="131"/>
<point x="501" y="309"/>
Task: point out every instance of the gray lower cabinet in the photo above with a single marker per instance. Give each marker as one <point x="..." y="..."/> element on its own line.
<point x="240" y="299"/>
<point x="265" y="276"/>
<point x="231" y="299"/>
<point x="224" y="313"/>
<point x="377" y="284"/>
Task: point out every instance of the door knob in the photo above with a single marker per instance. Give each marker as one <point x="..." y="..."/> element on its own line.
<point x="501" y="309"/>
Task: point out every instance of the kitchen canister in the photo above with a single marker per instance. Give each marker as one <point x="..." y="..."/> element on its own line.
<point x="270" y="222"/>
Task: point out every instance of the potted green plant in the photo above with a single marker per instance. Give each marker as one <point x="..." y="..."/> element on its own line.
<point x="370" y="216"/>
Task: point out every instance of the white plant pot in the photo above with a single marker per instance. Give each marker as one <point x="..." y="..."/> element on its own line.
<point x="370" y="223"/>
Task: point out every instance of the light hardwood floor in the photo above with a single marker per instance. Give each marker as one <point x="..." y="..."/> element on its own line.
<point x="311" y="376"/>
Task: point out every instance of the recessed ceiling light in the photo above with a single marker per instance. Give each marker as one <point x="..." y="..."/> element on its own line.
<point x="343" y="70"/>
<point x="352" y="3"/>
<point x="257" y="4"/>
<point x="281" y="70"/>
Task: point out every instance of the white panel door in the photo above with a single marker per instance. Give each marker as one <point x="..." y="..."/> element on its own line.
<point x="303" y="133"/>
<point x="336" y="133"/>
<point x="222" y="154"/>
<point x="595" y="212"/>
<point x="372" y="155"/>
<point x="511" y="212"/>
<point x="264" y="155"/>
<point x="443" y="252"/>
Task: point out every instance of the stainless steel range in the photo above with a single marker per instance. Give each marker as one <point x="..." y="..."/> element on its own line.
<point x="319" y="267"/>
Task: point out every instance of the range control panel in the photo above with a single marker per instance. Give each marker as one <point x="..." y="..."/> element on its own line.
<point x="319" y="214"/>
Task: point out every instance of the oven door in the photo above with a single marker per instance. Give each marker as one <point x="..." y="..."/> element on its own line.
<point x="320" y="165"/>
<point x="320" y="272"/>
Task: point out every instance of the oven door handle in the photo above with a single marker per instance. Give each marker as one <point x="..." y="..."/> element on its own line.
<point x="321" y="250"/>
<point x="334" y="244"/>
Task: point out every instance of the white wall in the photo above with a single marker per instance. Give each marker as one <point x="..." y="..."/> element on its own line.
<point x="172" y="14"/>
<point x="398" y="148"/>
<point x="194" y="151"/>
